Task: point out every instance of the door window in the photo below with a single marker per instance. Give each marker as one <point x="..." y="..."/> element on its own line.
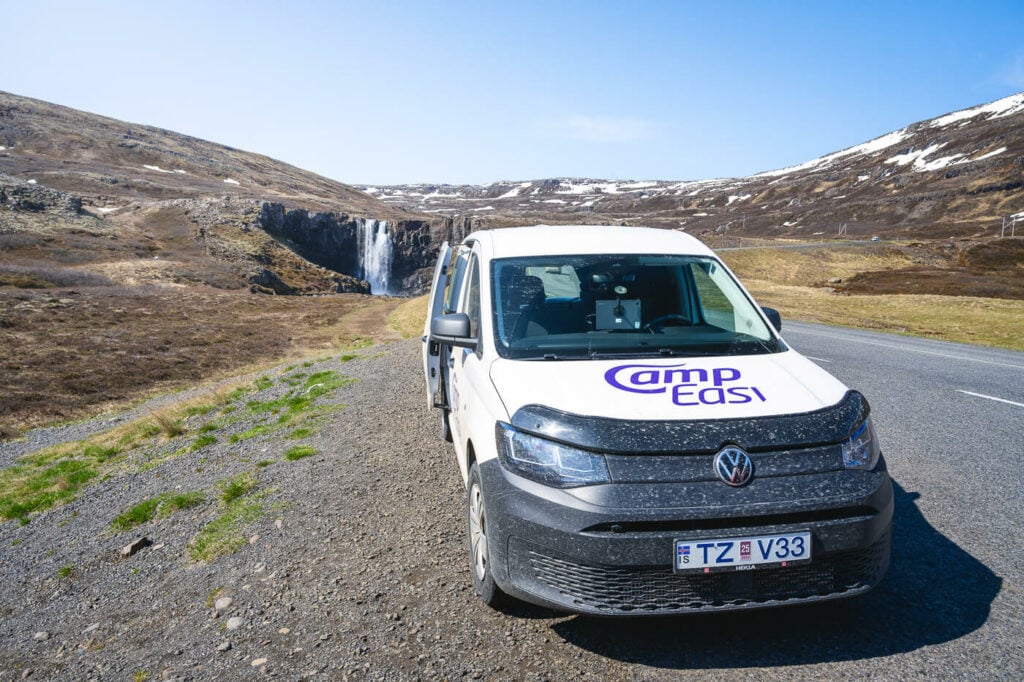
<point x="455" y="279"/>
<point x="473" y="298"/>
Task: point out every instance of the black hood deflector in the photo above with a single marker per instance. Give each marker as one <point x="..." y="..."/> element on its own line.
<point x="826" y="426"/>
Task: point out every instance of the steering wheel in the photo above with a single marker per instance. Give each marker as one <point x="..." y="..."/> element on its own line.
<point x="662" y="319"/>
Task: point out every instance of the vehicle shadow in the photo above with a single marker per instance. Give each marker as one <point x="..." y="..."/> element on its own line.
<point x="934" y="592"/>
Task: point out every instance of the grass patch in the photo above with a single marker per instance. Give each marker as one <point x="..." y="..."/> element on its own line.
<point x="159" y="506"/>
<point x="224" y="534"/>
<point x="299" y="452"/>
<point x="200" y="410"/>
<point x="301" y="397"/>
<point x="27" y="489"/>
<point x="263" y="383"/>
<point x="296" y="405"/>
<point x="65" y="571"/>
<point x="202" y="442"/>
<point x="264" y="463"/>
<point x="168" y="423"/>
<point x="295" y="379"/>
<point x="233" y="488"/>
<point x="300" y="433"/>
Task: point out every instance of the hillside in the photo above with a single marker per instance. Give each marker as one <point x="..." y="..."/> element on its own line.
<point x="136" y="204"/>
<point x="110" y="162"/>
<point x="957" y="175"/>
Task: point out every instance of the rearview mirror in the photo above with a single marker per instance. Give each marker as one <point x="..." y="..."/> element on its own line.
<point x="452" y="330"/>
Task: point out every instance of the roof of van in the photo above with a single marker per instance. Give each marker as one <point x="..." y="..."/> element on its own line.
<point x="545" y="240"/>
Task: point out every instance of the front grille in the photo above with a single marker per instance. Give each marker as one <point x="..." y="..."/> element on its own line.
<point x="648" y="590"/>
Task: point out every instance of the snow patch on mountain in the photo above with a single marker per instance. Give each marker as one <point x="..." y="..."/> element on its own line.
<point x="990" y="154"/>
<point x="514" y="192"/>
<point x="998" y="109"/>
<point x="870" y="147"/>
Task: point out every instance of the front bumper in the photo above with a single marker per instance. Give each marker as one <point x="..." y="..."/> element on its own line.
<point x="583" y="551"/>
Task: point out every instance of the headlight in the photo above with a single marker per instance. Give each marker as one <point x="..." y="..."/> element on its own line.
<point x="862" y="450"/>
<point x="547" y="462"/>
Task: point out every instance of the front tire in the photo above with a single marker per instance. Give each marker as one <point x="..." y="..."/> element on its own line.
<point x="479" y="554"/>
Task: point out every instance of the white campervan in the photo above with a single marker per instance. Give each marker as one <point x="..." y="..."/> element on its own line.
<point x="636" y="437"/>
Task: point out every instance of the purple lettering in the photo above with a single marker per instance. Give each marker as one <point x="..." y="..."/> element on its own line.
<point x="723" y="374"/>
<point x="719" y="392"/>
<point x="633" y="380"/>
<point x="678" y="395"/>
<point x="738" y="393"/>
<point x="685" y="376"/>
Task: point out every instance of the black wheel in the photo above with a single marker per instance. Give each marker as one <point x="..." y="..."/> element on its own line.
<point x="446" y="428"/>
<point x="479" y="557"/>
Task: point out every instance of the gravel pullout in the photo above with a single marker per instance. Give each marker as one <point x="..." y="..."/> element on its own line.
<point x="356" y="568"/>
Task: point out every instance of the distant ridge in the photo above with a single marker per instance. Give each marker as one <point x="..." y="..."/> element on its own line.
<point x="959" y="174"/>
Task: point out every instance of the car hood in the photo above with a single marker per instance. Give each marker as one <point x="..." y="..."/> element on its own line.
<point x="669" y="388"/>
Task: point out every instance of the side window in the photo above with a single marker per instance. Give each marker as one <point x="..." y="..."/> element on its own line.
<point x="724" y="303"/>
<point x="715" y="305"/>
<point x="473" y="297"/>
<point x="458" y="273"/>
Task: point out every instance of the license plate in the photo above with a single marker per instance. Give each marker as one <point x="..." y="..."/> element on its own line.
<point x="742" y="554"/>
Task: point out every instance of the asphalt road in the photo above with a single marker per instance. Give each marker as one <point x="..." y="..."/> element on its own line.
<point x="951" y="421"/>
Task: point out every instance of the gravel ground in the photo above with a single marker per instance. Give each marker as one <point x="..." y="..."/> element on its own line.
<point x="357" y="569"/>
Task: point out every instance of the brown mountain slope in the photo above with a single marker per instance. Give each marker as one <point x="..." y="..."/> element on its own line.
<point x="104" y="160"/>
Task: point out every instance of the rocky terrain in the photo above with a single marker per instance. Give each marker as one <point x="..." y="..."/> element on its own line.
<point x="957" y="175"/>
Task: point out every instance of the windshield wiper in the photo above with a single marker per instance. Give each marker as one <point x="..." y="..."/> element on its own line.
<point x="739" y="346"/>
<point x="652" y="353"/>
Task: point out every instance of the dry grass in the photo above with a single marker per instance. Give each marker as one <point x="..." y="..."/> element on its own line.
<point x="986" y="321"/>
<point x="794" y="281"/>
<point x="72" y="354"/>
<point x="812" y="266"/>
<point x="408" y="318"/>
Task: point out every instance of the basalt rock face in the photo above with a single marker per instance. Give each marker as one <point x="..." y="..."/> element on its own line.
<point x="332" y="240"/>
<point x="416" y="245"/>
<point x="327" y="239"/>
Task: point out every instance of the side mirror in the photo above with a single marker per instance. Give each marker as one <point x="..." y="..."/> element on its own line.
<point x="452" y="330"/>
<point x="773" y="316"/>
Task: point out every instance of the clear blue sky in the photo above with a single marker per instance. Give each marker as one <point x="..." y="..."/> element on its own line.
<point x="471" y="91"/>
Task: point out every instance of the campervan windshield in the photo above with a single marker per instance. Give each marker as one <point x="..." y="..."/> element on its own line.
<point x="601" y="305"/>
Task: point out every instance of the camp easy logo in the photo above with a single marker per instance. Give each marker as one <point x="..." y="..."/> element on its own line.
<point x="687" y="385"/>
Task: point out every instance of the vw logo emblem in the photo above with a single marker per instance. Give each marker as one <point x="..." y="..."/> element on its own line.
<point x="733" y="466"/>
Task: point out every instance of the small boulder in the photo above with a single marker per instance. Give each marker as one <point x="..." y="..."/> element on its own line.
<point x="133" y="548"/>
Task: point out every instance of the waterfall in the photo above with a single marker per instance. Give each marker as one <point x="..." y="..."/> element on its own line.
<point x="375" y="254"/>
